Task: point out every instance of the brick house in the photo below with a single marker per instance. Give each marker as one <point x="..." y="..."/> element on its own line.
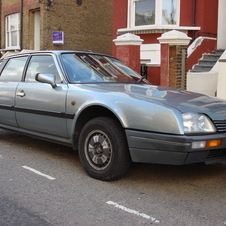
<point x="150" y="19"/>
<point x="56" y="24"/>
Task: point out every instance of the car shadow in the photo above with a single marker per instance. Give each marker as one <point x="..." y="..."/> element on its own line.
<point x="193" y="171"/>
<point x="142" y="172"/>
<point x="29" y="144"/>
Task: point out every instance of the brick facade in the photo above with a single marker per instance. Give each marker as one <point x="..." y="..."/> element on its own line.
<point x="177" y="66"/>
<point x="194" y="20"/>
<point x="86" y="27"/>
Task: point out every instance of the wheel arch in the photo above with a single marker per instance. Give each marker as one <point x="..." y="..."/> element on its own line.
<point x="88" y="114"/>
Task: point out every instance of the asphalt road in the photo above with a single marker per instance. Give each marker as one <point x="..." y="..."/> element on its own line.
<point x="44" y="184"/>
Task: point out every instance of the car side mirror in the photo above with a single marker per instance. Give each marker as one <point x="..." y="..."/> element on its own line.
<point x="46" y="78"/>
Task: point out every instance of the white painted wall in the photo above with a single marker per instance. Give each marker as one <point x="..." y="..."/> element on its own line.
<point x="221" y="32"/>
<point x="221" y="84"/>
<point x="211" y="83"/>
<point x="205" y="82"/>
<point x="150" y="54"/>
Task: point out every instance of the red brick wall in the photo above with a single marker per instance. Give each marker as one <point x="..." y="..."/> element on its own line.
<point x="199" y="13"/>
<point x="207" y="46"/>
<point x="130" y="55"/>
<point x="119" y="18"/>
<point x="153" y="75"/>
<point x="175" y="67"/>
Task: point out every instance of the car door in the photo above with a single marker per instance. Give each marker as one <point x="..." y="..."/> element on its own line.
<point x="39" y="106"/>
<point x="10" y="77"/>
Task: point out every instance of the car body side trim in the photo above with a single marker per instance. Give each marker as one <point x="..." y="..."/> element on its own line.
<point x="47" y="113"/>
<point x="7" y="107"/>
<point x="39" y="112"/>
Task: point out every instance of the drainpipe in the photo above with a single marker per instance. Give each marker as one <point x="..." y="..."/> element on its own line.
<point x="193" y="15"/>
<point x="21" y="24"/>
<point x="193" y="12"/>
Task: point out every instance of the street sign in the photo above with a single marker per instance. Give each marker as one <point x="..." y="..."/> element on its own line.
<point x="58" y="37"/>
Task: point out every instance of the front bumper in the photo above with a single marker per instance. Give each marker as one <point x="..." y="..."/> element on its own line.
<point x="173" y="149"/>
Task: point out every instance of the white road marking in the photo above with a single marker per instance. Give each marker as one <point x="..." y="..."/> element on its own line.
<point x="1" y="157"/>
<point x="132" y="211"/>
<point x="39" y="173"/>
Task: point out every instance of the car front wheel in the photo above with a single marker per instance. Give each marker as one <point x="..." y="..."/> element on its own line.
<point x="103" y="149"/>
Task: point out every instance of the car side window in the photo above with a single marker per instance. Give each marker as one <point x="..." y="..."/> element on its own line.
<point x="13" y="69"/>
<point x="41" y="64"/>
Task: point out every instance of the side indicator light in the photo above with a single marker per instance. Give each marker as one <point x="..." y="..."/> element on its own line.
<point x="213" y="143"/>
<point x="73" y="103"/>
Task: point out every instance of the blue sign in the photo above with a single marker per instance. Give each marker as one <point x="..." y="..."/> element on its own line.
<point x="58" y="37"/>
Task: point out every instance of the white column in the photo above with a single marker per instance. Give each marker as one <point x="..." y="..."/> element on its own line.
<point x="37" y="26"/>
<point x="221" y="37"/>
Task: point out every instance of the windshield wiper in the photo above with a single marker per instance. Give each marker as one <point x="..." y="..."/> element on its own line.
<point x="141" y="79"/>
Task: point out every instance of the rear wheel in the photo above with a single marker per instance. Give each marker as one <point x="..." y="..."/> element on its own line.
<point x="103" y="149"/>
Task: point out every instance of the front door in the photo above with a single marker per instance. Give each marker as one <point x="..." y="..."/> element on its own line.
<point x="39" y="106"/>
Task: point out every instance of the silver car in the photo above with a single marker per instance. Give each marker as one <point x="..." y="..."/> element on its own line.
<point x="110" y="114"/>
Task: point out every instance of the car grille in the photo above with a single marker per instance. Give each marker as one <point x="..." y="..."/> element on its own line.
<point x="221" y="126"/>
<point x="215" y="154"/>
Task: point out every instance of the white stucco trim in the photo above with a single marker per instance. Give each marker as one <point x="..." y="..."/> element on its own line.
<point x="150" y="54"/>
<point x="174" y="38"/>
<point x="157" y="29"/>
<point x="128" y="39"/>
<point x="198" y="41"/>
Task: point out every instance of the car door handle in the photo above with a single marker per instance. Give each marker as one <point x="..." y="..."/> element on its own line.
<point x="21" y="93"/>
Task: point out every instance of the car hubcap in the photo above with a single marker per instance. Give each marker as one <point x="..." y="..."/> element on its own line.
<point x="98" y="150"/>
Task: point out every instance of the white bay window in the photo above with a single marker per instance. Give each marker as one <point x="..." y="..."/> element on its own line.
<point x="153" y="12"/>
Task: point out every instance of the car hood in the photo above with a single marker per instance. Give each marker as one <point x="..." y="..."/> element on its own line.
<point x="182" y="100"/>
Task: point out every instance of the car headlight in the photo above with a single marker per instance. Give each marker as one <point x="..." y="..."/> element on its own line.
<point x="197" y="123"/>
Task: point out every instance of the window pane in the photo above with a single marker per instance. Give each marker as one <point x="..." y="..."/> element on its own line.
<point x="41" y="64"/>
<point x="144" y="12"/>
<point x="14" y="38"/>
<point x="169" y="11"/>
<point x="7" y="24"/>
<point x="14" y="22"/>
<point x="12" y="27"/>
<point x="13" y="70"/>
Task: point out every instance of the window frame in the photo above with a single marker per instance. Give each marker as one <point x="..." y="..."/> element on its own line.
<point x="158" y="16"/>
<point x="9" y="32"/>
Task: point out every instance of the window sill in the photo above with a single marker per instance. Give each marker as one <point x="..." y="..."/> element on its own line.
<point x="152" y="29"/>
<point x="11" y="49"/>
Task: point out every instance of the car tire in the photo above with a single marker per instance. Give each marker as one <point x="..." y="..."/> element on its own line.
<point x="103" y="149"/>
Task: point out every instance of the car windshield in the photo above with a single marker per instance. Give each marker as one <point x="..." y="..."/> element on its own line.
<point x="92" y="68"/>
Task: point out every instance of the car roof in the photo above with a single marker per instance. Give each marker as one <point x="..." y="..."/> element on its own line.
<point x="57" y="52"/>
